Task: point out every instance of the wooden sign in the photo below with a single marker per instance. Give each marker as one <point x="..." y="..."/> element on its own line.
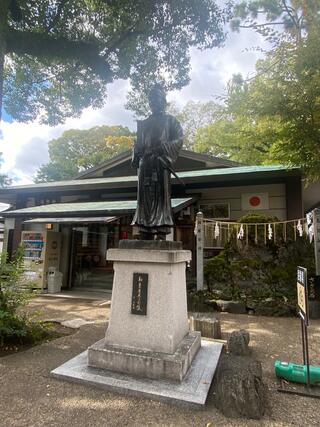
<point x="302" y="293"/>
<point x="139" y="294"/>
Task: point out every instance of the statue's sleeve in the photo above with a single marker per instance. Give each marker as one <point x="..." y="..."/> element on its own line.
<point x="173" y="145"/>
<point x="137" y="147"/>
<point x="136" y="155"/>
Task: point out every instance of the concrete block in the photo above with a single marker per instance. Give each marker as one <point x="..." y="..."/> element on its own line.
<point x="208" y="327"/>
<point x="166" y="321"/>
<point x="146" y="363"/>
<point x="191" y="392"/>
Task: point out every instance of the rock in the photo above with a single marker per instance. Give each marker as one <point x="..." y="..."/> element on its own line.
<point x="208" y="326"/>
<point x="238" y="343"/>
<point x="238" y="389"/>
<point x="236" y="307"/>
<point x="274" y="308"/>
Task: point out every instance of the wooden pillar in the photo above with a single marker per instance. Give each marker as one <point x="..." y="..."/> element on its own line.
<point x="294" y="197"/>
<point x="316" y="237"/>
<point x="8" y="229"/>
<point x="16" y="240"/>
<point x="200" y="243"/>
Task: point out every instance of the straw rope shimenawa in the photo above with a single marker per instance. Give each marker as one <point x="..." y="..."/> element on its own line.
<point x="216" y="230"/>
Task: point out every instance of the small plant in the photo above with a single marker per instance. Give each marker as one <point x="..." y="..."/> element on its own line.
<point x="259" y="271"/>
<point x="15" y="293"/>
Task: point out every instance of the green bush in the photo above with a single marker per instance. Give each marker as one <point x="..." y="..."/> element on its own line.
<point x="256" y="271"/>
<point x="15" y="293"/>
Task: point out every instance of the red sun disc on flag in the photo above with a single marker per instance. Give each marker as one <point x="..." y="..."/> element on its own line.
<point x="254" y="201"/>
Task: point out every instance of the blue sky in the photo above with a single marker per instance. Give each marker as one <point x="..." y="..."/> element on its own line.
<point x="25" y="146"/>
<point x="6" y="117"/>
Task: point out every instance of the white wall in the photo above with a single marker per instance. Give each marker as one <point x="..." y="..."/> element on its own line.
<point x="232" y="195"/>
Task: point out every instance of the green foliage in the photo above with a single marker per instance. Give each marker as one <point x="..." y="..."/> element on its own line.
<point x="16" y="326"/>
<point x="274" y="117"/>
<point x="218" y="268"/>
<point x="286" y="91"/>
<point x="276" y="20"/>
<point x="61" y="54"/>
<point x="4" y="179"/>
<point x="194" y="116"/>
<point x="78" y="150"/>
<point x="259" y="271"/>
<point x="254" y="217"/>
<point x="197" y="300"/>
<point x="239" y="138"/>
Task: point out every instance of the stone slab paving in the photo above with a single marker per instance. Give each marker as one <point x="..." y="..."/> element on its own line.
<point x="193" y="390"/>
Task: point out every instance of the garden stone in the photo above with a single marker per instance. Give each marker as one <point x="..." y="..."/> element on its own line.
<point x="209" y="327"/>
<point x="238" y="343"/>
<point x="236" y="307"/>
<point x="238" y="389"/>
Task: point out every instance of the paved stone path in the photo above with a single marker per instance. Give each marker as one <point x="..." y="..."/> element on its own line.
<point x="29" y="397"/>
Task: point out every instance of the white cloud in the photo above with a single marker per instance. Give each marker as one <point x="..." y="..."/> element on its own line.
<point x="25" y="146"/>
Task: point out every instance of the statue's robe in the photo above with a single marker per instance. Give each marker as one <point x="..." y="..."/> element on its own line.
<point x="159" y="140"/>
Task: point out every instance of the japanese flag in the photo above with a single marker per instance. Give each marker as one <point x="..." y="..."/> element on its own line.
<point x="254" y="201"/>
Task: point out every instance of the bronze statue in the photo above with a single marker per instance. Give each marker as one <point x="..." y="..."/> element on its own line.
<point x="159" y="140"/>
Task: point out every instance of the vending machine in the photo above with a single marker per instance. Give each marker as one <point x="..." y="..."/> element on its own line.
<point x="41" y="251"/>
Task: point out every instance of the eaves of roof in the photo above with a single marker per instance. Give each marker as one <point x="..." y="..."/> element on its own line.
<point x="203" y="175"/>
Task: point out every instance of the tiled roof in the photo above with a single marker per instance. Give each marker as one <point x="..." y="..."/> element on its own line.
<point x="89" y="207"/>
<point x="129" y="179"/>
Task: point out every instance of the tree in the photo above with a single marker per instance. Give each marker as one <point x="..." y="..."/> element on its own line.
<point x="195" y="115"/>
<point x="56" y="56"/>
<point x="240" y="139"/>
<point x="276" y="20"/>
<point x="274" y="117"/>
<point x="78" y="150"/>
<point x="4" y="179"/>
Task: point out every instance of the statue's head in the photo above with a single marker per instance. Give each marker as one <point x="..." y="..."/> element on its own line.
<point x="157" y="99"/>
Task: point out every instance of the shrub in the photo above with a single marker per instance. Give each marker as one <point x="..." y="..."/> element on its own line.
<point x="15" y="293"/>
<point x="258" y="270"/>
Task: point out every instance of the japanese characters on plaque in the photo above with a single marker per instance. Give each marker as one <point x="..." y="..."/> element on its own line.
<point x="302" y="293"/>
<point x="139" y="294"/>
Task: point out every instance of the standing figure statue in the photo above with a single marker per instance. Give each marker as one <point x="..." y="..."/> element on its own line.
<point x="159" y="140"/>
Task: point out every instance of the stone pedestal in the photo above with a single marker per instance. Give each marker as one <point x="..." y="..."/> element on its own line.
<point x="153" y="341"/>
<point x="148" y="350"/>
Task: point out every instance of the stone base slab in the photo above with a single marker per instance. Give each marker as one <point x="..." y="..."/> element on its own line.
<point x="192" y="391"/>
<point x="143" y="363"/>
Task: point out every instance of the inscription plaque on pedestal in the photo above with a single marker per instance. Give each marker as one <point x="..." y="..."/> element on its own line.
<point x="139" y="294"/>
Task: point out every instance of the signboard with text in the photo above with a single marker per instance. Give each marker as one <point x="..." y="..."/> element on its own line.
<point x="139" y="294"/>
<point x="302" y="293"/>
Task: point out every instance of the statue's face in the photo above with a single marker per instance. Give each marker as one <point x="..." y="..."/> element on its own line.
<point x="157" y="101"/>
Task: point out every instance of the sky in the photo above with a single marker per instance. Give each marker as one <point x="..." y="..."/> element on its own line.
<point x="25" y="145"/>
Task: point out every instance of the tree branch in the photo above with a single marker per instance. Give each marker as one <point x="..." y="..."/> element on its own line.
<point x="261" y="25"/>
<point x="57" y="15"/>
<point x="42" y="45"/>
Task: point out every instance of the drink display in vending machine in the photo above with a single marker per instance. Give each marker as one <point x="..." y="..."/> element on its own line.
<point x="41" y="251"/>
<point x="34" y="245"/>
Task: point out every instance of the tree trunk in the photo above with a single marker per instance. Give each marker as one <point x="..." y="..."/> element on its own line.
<point x="4" y="6"/>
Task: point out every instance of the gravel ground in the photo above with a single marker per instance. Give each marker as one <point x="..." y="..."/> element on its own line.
<point x="29" y="397"/>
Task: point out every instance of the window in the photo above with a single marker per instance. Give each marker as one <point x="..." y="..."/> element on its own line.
<point x="216" y="210"/>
